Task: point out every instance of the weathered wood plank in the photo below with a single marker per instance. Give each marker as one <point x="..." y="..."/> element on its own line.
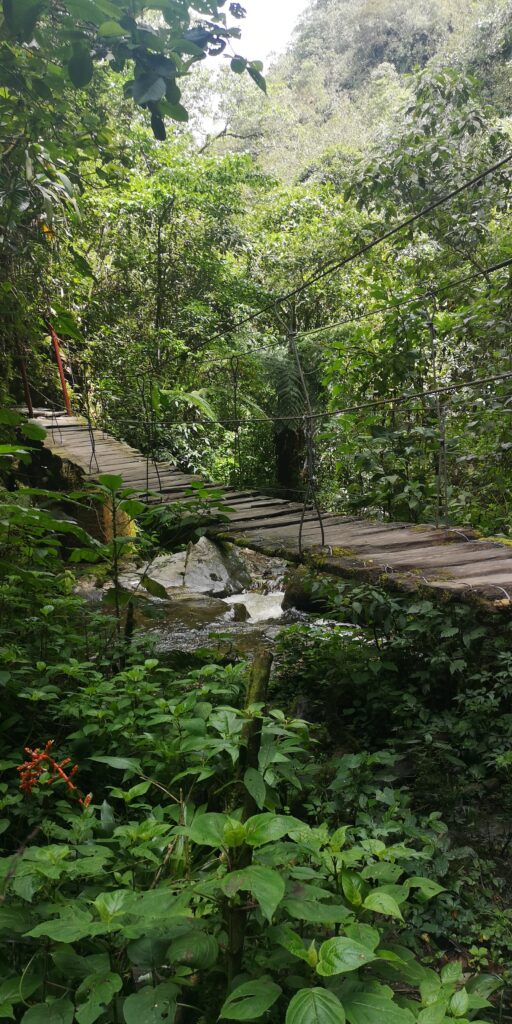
<point x="451" y="560"/>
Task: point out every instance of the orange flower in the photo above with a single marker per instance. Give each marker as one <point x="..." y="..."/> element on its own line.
<point x="42" y="762"/>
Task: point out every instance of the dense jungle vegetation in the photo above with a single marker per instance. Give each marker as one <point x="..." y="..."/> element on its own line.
<point x="243" y="271"/>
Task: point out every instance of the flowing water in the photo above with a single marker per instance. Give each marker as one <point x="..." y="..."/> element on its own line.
<point x="187" y="620"/>
<point x="235" y="624"/>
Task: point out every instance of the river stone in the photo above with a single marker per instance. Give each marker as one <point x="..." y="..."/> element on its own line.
<point x="204" y="568"/>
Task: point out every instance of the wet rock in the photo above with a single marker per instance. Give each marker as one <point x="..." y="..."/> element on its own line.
<point x="204" y="568"/>
<point x="240" y="613"/>
<point x="297" y="593"/>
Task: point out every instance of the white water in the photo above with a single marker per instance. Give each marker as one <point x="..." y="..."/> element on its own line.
<point x="261" y="607"/>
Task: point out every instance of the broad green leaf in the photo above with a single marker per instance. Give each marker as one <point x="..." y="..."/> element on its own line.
<point x="316" y="912"/>
<point x="234" y="831"/>
<point x="288" y="939"/>
<point x="459" y="1003"/>
<point x="315" y="1006"/>
<point x="255" y="785"/>
<point x="195" y="949"/>
<point x="80" y="67"/>
<point x="339" y="955"/>
<point x="60" y="1011"/>
<point x="12" y="449"/>
<point x="154" y="588"/>
<point x="352" y="885"/>
<point x="266" y="885"/>
<point x="101" y="990"/>
<point x="208" y="829"/>
<point x="250" y="1000"/>
<point x="426" y="886"/>
<point x="179" y="113"/>
<point x="195" y="398"/>
<point x="20" y="987"/>
<point x="374" y="1008"/>
<point x="435" y="1013"/>
<point x="152" y="1005"/>
<point x="382" y="903"/>
<point x="364" y="934"/>
<point x="109" y="905"/>
<point x="268" y="828"/>
<point x="111" y="29"/>
<point x="67" y="931"/>
<point x="258" y="78"/>
<point x="110" y="482"/>
<point x="148" y="88"/>
<point x="451" y="972"/>
<point x="132" y="507"/>
<point x="120" y="763"/>
<point x="33" y="431"/>
<point x="10" y="417"/>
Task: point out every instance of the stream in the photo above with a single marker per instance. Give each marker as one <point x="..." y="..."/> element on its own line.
<point x="219" y="597"/>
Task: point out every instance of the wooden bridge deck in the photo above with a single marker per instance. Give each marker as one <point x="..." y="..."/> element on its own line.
<point x="452" y="560"/>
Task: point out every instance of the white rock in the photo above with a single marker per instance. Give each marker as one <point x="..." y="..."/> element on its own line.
<point x="204" y="568"/>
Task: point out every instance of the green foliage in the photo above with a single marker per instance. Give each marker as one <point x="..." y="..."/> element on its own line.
<point x="163" y="886"/>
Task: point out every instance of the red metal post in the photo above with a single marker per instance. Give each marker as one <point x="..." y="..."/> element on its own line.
<point x="61" y="370"/>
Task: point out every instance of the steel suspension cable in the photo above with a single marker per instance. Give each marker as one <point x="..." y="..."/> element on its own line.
<point x="363" y="249"/>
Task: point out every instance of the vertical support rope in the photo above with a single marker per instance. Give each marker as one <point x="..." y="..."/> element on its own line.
<point x="441" y="482"/>
<point x="235" y="372"/>
<point x="309" y="433"/>
<point x="92" y="439"/>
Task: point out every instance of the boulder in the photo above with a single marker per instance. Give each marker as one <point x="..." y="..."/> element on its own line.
<point x="204" y="568"/>
<point x="297" y="593"/>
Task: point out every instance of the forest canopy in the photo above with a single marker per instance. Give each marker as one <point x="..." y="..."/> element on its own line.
<point x="291" y="291"/>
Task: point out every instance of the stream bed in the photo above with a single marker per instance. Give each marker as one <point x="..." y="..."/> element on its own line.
<point x="218" y="597"/>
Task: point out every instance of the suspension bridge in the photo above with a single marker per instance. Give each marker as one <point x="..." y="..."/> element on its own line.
<point x="453" y="561"/>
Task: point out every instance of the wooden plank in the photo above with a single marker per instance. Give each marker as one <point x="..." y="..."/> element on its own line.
<point x="247" y="528"/>
<point x="467" y="564"/>
<point x="497" y="568"/>
<point x="445" y="554"/>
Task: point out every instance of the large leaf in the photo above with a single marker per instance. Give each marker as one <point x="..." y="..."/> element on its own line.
<point x="382" y="903"/>
<point x="316" y="912"/>
<point x="251" y="1000"/>
<point x="111" y="482"/>
<point x="100" y="990"/>
<point x="22" y="16"/>
<point x="315" y="1006"/>
<point x="33" y="431"/>
<point x="337" y="956"/>
<point x="154" y="588"/>
<point x="195" y="398"/>
<point x="151" y="1005"/>
<point x="60" y="1011"/>
<point x="265" y="884"/>
<point x="194" y="949"/>
<point x="374" y="1008"/>
<point x="255" y="785"/>
<point x="435" y="1013"/>
<point x="80" y="67"/>
<point x="267" y="828"/>
<point x="149" y="88"/>
<point x="364" y="934"/>
<point x="67" y="931"/>
<point x="208" y="829"/>
<point x="427" y="887"/>
<point x="120" y="763"/>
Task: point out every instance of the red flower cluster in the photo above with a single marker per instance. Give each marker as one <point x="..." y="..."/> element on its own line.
<point x="41" y="762"/>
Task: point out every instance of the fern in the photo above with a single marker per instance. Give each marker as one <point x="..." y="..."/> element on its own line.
<point x="287" y="384"/>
